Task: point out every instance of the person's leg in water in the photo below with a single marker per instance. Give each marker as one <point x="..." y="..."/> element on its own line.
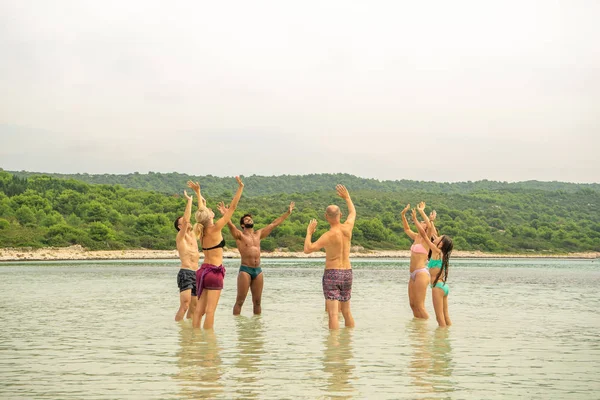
<point x="437" y="296"/>
<point x="243" y="283"/>
<point x="192" y="309"/>
<point x="332" y="310"/>
<point x="200" y="310"/>
<point x="256" y="287"/>
<point x="339" y="309"/>
<point x="417" y="291"/>
<point x="446" y="314"/>
<point x="348" y="319"/>
<point x="185" y="298"/>
<point x="412" y="299"/>
<point x="212" y="300"/>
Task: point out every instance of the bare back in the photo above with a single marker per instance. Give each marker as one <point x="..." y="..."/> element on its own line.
<point x="337" y="247"/>
<point x="212" y="237"/>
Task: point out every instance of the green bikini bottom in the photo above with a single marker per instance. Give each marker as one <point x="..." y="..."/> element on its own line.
<point x="444" y="286"/>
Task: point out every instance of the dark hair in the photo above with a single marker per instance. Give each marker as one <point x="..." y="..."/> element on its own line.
<point x="429" y="254"/>
<point x="446" y="249"/>
<point x="177" y="223"/>
<point x="242" y="219"/>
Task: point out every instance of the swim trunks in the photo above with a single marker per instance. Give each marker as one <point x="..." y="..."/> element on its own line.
<point x="186" y="280"/>
<point x="337" y="284"/>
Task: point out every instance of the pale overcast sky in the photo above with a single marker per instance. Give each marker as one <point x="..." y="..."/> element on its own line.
<point x="426" y="90"/>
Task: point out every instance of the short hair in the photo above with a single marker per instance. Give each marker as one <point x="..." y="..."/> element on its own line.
<point x="332" y="211"/>
<point x="177" y="223"/>
<point x="244" y="216"/>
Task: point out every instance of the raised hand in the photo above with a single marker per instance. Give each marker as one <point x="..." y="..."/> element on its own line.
<point x="342" y="191"/>
<point x="312" y="227"/>
<point x="222" y="208"/>
<point x="239" y="181"/>
<point x="432" y="215"/>
<point x="195" y="186"/>
<point x="406" y="209"/>
<point x="421" y="206"/>
<point x="187" y="196"/>
<point x="292" y="204"/>
<point x="414" y="215"/>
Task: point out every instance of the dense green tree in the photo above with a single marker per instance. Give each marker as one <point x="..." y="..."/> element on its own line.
<point x="25" y="216"/>
<point x="488" y="216"/>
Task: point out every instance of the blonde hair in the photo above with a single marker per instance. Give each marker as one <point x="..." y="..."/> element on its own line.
<point x="202" y="218"/>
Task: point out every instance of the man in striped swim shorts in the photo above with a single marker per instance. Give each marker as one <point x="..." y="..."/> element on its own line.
<point x="337" y="278"/>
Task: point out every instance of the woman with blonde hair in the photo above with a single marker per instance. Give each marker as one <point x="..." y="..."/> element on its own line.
<point x="209" y="277"/>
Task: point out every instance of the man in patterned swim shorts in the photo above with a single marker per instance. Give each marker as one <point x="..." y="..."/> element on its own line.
<point x="337" y="278"/>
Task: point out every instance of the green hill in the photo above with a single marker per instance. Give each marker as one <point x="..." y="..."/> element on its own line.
<point x="174" y="182"/>
<point x="553" y="217"/>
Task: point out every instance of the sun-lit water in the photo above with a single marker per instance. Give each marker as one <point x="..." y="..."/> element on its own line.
<point x="105" y="330"/>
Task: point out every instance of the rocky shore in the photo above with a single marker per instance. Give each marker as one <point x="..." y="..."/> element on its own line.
<point x="79" y="253"/>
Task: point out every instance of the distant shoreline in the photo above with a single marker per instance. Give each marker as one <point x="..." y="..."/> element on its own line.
<point x="79" y="253"/>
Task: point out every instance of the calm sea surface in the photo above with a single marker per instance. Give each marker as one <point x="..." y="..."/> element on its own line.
<point x="104" y="330"/>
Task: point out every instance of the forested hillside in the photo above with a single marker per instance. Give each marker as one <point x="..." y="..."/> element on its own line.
<point x="494" y="217"/>
<point x="172" y="183"/>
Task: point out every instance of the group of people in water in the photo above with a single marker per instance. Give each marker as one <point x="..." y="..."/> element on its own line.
<point x="200" y="288"/>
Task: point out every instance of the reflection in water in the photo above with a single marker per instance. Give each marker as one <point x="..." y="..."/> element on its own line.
<point x="431" y="363"/>
<point x="441" y="363"/>
<point x="199" y="363"/>
<point x="336" y="365"/>
<point x="421" y="356"/>
<point x="251" y="342"/>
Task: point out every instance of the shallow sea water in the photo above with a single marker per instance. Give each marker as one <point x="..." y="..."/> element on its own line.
<point x="526" y="328"/>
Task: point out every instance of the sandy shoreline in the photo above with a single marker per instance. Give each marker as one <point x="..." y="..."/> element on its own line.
<point x="79" y="253"/>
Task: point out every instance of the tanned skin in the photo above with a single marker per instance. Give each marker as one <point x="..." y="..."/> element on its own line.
<point x="336" y="242"/>
<point x="248" y="244"/>
<point x="187" y="247"/>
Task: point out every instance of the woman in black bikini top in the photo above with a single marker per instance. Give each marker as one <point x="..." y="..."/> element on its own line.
<point x="209" y="277"/>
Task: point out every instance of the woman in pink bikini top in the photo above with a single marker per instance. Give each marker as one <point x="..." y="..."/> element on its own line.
<point x="419" y="274"/>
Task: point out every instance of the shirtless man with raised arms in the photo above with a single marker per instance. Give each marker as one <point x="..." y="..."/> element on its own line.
<point x="248" y="244"/>
<point x="337" y="278"/>
<point x="187" y="247"/>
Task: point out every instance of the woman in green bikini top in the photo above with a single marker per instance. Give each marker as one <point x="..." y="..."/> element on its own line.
<point x="441" y="248"/>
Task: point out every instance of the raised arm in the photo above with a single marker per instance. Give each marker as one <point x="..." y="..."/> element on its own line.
<point x="344" y="194"/>
<point x="235" y="232"/>
<point x="236" y="198"/>
<point x="180" y="238"/>
<point x="195" y="186"/>
<point x="264" y="232"/>
<point x="407" y="229"/>
<point x="187" y="214"/>
<point x="432" y="217"/>
<point x="421" y="208"/>
<point x="427" y="241"/>
<point x="309" y="246"/>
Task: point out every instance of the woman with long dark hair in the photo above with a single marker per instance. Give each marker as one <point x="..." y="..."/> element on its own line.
<point x="440" y="249"/>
